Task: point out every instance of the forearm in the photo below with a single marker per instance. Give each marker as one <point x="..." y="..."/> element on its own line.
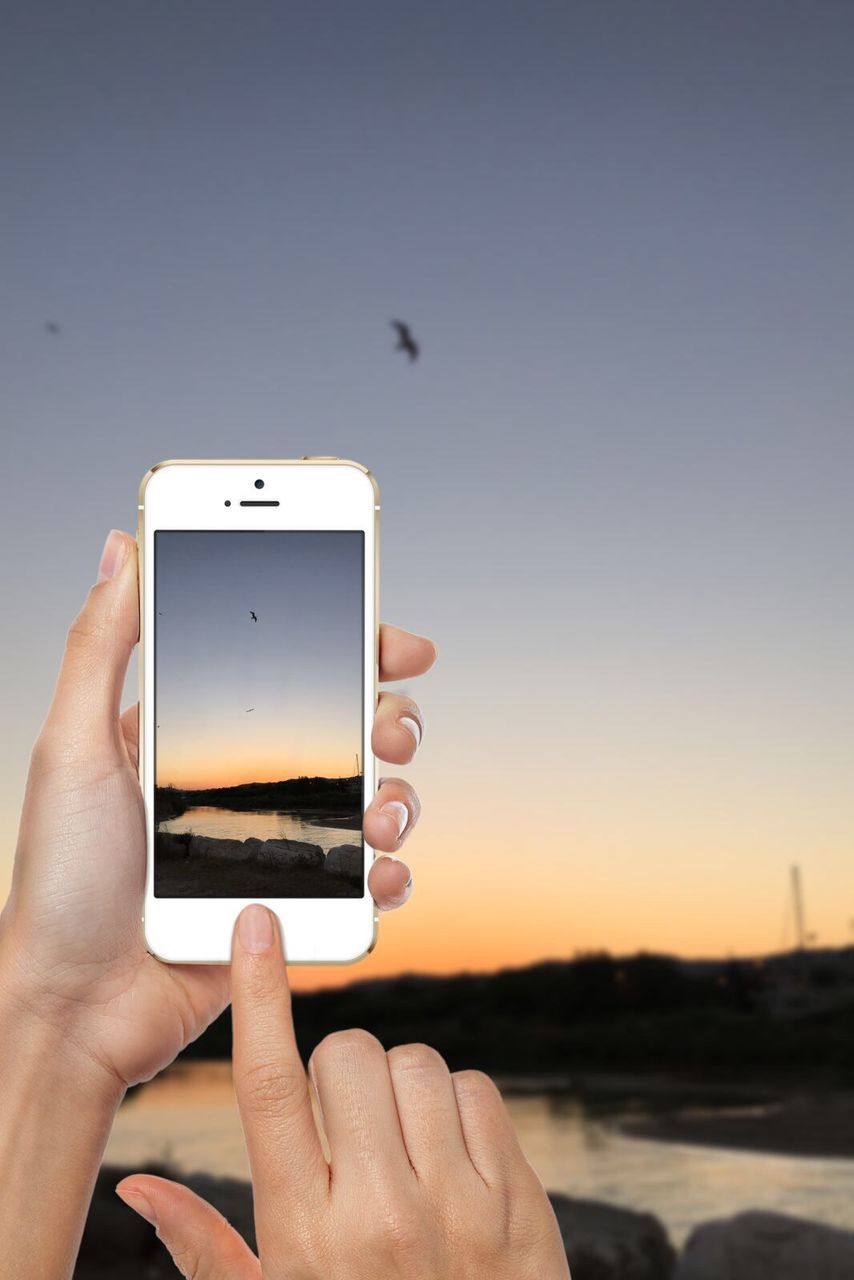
<point x="56" y="1110"/>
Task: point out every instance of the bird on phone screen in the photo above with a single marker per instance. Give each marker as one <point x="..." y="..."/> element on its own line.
<point x="405" y="340"/>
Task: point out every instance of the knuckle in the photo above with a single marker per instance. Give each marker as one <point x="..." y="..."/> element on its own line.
<point x="269" y="1087"/>
<point x="49" y="751"/>
<point x="415" y="1057"/>
<point x="477" y="1089"/>
<point x="354" y="1043"/>
<point x="395" y="1230"/>
<point x="85" y="633"/>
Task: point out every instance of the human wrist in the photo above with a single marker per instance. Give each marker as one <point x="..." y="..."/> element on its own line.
<point x="48" y="1034"/>
<point x="59" y="1104"/>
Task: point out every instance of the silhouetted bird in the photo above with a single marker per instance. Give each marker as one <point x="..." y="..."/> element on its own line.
<point x="405" y="340"/>
<point x="253" y="615"/>
<point x="52" y="328"/>
<point x="248" y="709"/>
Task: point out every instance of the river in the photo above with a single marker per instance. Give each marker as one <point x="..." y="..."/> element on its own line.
<point x="188" y="1119"/>
<point x="263" y="824"/>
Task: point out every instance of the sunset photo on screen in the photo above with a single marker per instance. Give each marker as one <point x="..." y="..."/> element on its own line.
<point x="259" y="699"/>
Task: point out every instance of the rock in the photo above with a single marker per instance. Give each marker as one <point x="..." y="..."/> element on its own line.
<point x="276" y="853"/>
<point x="118" y="1245"/>
<point x="172" y="845"/>
<point x="219" y="850"/>
<point x="290" y="853"/>
<point x="766" y="1246"/>
<point x="606" y="1243"/>
<point x="345" y="861"/>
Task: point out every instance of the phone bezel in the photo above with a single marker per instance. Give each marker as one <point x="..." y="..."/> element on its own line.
<point x="314" y="494"/>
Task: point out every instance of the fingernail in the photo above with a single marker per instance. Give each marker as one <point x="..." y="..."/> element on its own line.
<point x="255" y="929"/>
<point x="413" y="726"/>
<point x="112" y="557"/>
<point x="397" y="810"/>
<point x="134" y="1200"/>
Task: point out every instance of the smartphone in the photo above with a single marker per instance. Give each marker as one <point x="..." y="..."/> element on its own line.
<point x="258" y="666"/>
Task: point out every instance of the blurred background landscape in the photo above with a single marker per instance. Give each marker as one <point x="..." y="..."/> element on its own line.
<point x="616" y="489"/>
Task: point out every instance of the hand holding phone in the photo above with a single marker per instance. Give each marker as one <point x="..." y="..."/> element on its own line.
<point x="72" y="950"/>
<point x="425" y="1175"/>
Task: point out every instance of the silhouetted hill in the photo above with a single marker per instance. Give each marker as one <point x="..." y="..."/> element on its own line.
<point x="321" y="794"/>
<point x="599" y="1013"/>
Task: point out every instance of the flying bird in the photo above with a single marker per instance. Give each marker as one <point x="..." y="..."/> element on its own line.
<point x="405" y="340"/>
<point x="248" y="709"/>
<point x="253" y="615"/>
<point x="52" y="328"/>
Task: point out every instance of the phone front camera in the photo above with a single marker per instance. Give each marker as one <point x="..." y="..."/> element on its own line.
<point x="259" y="484"/>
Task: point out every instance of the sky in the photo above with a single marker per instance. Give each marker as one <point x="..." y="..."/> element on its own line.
<point x="616" y="486"/>
<point x="242" y="699"/>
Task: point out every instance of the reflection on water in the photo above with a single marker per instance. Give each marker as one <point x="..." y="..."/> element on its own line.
<point x="264" y="824"/>
<point x="189" y="1119"/>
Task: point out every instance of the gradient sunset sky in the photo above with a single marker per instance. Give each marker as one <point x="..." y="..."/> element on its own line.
<point x="243" y="700"/>
<point x="618" y="487"/>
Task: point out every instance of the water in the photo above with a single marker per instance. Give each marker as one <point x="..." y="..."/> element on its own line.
<point x="264" y="824"/>
<point x="188" y="1118"/>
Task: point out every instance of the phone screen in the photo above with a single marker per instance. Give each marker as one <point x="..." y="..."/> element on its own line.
<point x="259" y="703"/>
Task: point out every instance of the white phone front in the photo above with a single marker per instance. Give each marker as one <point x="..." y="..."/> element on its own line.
<point x="259" y="649"/>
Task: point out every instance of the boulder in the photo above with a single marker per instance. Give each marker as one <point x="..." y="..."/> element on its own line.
<point x="289" y="853"/>
<point x="172" y="845"/>
<point x="345" y="861"/>
<point x="766" y="1246"/>
<point x="210" y="847"/>
<point x="606" y="1243"/>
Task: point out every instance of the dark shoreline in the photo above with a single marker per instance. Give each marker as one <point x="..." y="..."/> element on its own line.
<point x="817" y="1127"/>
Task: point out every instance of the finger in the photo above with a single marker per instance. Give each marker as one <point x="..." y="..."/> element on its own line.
<point x="85" y="706"/>
<point x="391" y="815"/>
<point x="202" y="1244"/>
<point x="427" y="1107"/>
<point x="130" y="732"/>
<point x="490" y="1137"/>
<point x="288" y="1165"/>
<point x="390" y="883"/>
<point x="349" y="1070"/>
<point x="404" y="655"/>
<point x="398" y="728"/>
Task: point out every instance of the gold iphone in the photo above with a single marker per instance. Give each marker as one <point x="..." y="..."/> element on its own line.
<point x="258" y="677"/>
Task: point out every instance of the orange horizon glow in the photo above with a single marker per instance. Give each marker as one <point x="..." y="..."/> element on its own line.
<point x="197" y="776"/>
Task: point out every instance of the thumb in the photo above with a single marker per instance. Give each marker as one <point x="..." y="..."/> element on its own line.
<point x="202" y="1244"/>
<point x="100" y="641"/>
